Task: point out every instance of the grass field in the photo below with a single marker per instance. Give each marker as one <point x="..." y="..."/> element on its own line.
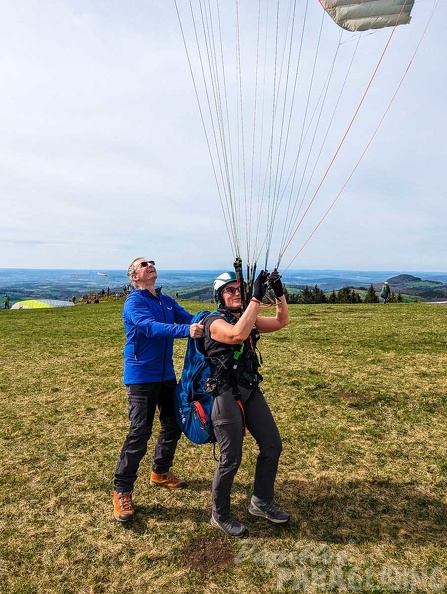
<point x="360" y="396"/>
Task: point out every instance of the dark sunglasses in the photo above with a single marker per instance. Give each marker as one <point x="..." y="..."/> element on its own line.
<point x="232" y="290"/>
<point x="145" y="264"/>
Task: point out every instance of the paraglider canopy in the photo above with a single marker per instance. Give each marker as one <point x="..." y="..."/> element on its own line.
<point x="368" y="14"/>
<point x="41" y="304"/>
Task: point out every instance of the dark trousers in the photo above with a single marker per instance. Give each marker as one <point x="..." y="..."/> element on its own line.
<point x="143" y="400"/>
<point x="227" y="423"/>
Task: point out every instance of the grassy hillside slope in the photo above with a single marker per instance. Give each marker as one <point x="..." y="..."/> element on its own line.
<point x="360" y="397"/>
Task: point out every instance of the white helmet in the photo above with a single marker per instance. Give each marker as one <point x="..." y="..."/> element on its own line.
<point x="223" y="279"/>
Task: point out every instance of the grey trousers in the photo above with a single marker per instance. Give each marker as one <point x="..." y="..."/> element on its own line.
<point x="227" y="423"/>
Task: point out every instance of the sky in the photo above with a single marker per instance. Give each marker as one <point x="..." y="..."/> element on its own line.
<point x="103" y="155"/>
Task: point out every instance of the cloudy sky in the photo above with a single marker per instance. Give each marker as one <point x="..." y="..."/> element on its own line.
<point x="103" y="155"/>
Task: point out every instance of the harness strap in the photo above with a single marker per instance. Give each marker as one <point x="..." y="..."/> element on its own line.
<point x="200" y="411"/>
<point x="244" y="424"/>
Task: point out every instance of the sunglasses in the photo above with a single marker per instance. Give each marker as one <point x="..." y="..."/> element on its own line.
<point x="232" y="290"/>
<point x="146" y="264"/>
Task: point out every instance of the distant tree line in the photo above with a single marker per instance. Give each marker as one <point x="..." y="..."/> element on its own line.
<point x="344" y="295"/>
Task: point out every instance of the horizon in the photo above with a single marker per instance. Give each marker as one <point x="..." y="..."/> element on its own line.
<point x="289" y="270"/>
<point x="60" y="283"/>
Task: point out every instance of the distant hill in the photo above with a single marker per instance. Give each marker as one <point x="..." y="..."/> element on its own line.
<point x="427" y="290"/>
<point x="408" y="285"/>
<point x="204" y="293"/>
<point x="404" y="278"/>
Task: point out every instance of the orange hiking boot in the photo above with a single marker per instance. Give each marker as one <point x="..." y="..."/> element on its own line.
<point x="122" y="506"/>
<point x="168" y="480"/>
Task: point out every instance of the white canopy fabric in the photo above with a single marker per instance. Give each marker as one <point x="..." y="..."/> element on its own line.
<point x="362" y="15"/>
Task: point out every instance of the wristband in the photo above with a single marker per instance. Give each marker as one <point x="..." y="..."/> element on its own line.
<point x="255" y="300"/>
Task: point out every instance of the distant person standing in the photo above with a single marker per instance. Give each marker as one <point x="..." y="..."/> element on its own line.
<point x="6" y="302"/>
<point x="152" y="320"/>
<point x="385" y="293"/>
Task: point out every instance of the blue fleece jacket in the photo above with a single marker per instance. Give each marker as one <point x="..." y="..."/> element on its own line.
<point x="151" y="323"/>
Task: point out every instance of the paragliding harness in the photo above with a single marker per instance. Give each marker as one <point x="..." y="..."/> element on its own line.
<point x="197" y="387"/>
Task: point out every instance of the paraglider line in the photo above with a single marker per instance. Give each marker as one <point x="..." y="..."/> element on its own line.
<point x="348" y="128"/>
<point x="371" y="139"/>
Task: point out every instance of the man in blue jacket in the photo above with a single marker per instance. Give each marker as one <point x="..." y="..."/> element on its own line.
<point x="152" y="321"/>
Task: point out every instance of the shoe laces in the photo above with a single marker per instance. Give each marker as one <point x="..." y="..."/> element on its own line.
<point x="125" y="501"/>
<point x="267" y="506"/>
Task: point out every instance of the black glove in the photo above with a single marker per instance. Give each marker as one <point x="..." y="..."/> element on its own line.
<point x="259" y="286"/>
<point x="276" y="284"/>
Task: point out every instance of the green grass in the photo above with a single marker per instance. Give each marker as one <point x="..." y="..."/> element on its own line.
<point x="360" y="396"/>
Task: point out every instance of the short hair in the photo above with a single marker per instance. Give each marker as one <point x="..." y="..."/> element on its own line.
<point x="131" y="270"/>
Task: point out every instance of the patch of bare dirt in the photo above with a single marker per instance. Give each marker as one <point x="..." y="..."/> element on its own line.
<point x="206" y="554"/>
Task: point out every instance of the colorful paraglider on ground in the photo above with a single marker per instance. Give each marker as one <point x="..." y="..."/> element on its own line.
<point x="41" y="304"/>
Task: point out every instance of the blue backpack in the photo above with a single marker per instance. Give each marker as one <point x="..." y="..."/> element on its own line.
<point x="193" y="405"/>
